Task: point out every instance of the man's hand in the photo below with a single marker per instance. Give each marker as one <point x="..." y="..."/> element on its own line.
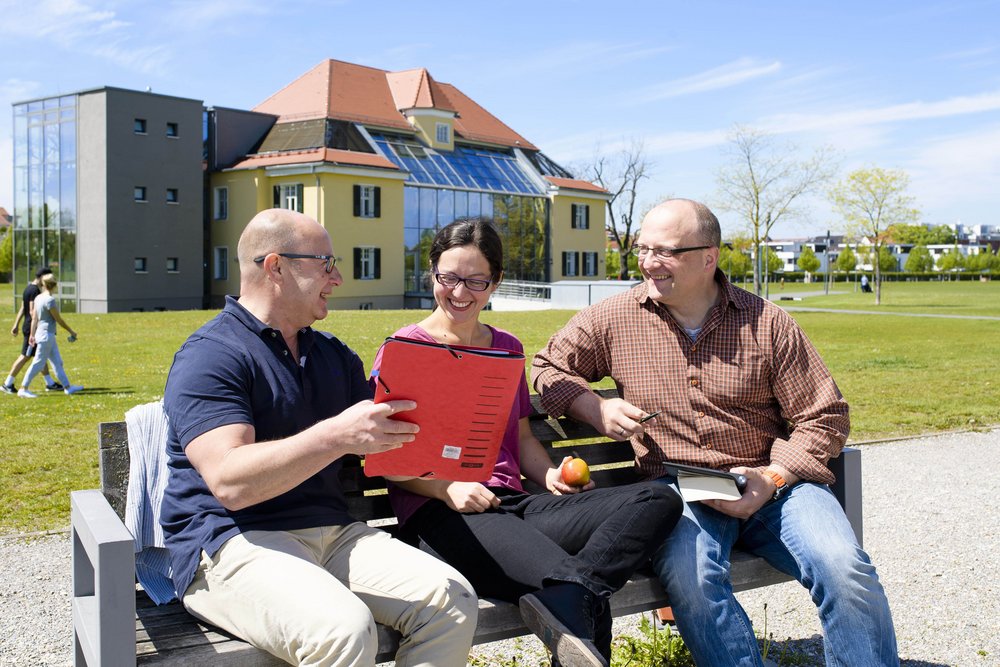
<point x="13" y="330"/>
<point x="554" y="481"/>
<point x="367" y="427"/>
<point x="469" y="497"/>
<point x="759" y="491"/>
<point x="620" y="419"/>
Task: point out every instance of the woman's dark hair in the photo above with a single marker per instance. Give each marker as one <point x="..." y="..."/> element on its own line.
<point x="477" y="232"/>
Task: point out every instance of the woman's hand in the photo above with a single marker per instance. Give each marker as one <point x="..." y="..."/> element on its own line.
<point x="554" y="481"/>
<point x="469" y="497"/>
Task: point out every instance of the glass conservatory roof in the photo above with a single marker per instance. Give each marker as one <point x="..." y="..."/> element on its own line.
<point x="468" y="167"/>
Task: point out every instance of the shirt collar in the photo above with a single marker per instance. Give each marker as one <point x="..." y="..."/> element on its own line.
<point x="250" y="321"/>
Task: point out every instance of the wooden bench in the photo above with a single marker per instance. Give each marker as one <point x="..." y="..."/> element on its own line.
<point x="114" y="623"/>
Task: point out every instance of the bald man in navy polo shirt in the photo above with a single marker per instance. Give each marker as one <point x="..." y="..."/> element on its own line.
<point x="261" y="409"/>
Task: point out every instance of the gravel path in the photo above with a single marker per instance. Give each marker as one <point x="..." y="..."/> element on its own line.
<point x="932" y="527"/>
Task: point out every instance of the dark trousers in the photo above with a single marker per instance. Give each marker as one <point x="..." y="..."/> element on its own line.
<point x="596" y="538"/>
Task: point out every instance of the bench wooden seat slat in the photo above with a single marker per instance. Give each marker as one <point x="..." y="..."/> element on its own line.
<point x="167" y="634"/>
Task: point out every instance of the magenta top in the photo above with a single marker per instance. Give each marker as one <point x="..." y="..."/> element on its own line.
<point x="507" y="471"/>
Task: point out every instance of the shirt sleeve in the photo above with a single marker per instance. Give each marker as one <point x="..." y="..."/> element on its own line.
<point x="200" y="397"/>
<point x="810" y="401"/>
<point x="574" y="357"/>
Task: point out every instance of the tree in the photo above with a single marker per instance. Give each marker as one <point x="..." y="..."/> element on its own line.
<point x="621" y="175"/>
<point x="919" y="261"/>
<point x="953" y="260"/>
<point x="846" y="260"/>
<point x="920" y="234"/>
<point x="734" y="261"/>
<point x="764" y="181"/>
<point x="808" y="261"/>
<point x="872" y="200"/>
<point x="7" y="252"/>
<point x="887" y="260"/>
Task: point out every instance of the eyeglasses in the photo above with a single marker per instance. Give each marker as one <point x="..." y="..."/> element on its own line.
<point x="664" y="253"/>
<point x="450" y="280"/>
<point x="330" y="260"/>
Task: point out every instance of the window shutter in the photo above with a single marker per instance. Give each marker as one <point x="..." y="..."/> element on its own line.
<point x="378" y="205"/>
<point x="378" y="255"/>
<point x="357" y="262"/>
<point x="586" y="216"/>
<point x="277" y="196"/>
<point x="572" y="216"/>
<point x="565" y="264"/>
<point x="298" y="197"/>
<point x="357" y="201"/>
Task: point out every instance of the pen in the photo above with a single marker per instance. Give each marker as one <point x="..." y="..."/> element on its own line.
<point x="648" y="417"/>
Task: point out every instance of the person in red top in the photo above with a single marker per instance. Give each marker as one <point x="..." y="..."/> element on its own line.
<point x="558" y="554"/>
<point x="739" y="387"/>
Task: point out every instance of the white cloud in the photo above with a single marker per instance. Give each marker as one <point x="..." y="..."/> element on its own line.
<point x="949" y="172"/>
<point x="725" y="76"/>
<point x="839" y="120"/>
<point x="82" y="28"/>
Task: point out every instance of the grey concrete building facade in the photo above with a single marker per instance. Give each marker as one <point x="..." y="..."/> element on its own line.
<point x="109" y="192"/>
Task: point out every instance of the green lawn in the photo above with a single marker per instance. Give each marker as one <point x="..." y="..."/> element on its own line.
<point x="901" y="375"/>
<point x="943" y="298"/>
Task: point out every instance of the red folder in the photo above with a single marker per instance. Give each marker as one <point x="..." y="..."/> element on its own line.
<point x="464" y="396"/>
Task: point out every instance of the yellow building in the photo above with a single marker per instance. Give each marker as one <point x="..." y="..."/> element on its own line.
<point x="383" y="160"/>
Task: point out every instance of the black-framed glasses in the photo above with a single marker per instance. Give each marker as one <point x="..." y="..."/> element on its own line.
<point x="451" y="280"/>
<point x="664" y="253"/>
<point x="330" y="260"/>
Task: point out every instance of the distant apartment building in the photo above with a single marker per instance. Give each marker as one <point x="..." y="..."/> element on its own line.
<point x="137" y="200"/>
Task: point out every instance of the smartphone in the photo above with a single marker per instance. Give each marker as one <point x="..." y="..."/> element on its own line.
<point x="648" y="417"/>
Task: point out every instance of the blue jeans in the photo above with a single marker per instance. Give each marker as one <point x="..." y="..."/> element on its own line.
<point x="805" y="535"/>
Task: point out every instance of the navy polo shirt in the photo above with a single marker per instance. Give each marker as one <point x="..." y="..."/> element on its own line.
<point x="237" y="370"/>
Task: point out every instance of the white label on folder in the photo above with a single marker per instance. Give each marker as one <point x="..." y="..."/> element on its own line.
<point x="451" y="452"/>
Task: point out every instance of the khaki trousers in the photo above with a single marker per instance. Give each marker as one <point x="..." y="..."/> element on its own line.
<point x="313" y="596"/>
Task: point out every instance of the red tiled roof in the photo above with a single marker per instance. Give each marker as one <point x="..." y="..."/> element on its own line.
<point x="5" y="218"/>
<point x="374" y="97"/>
<point x="331" y="155"/>
<point x="415" y="89"/>
<point x="575" y="184"/>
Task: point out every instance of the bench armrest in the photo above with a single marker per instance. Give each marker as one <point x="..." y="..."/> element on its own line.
<point x="847" y="468"/>
<point x="103" y="583"/>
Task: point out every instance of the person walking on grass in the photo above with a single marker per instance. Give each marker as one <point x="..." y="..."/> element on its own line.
<point x="23" y="321"/>
<point x="43" y="338"/>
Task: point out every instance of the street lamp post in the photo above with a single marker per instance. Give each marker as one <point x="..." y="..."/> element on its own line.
<point x="827" y="281"/>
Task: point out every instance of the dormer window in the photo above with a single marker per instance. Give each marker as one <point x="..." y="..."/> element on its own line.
<point x="443" y="132"/>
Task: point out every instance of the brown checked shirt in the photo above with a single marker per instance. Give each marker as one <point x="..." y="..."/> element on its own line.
<point x="751" y="390"/>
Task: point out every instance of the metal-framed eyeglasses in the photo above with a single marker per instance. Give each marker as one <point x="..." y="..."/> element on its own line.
<point x="330" y="260"/>
<point x="450" y="280"/>
<point x="664" y="253"/>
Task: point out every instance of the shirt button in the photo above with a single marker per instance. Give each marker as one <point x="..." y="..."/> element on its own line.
<point x="274" y="334"/>
<point x="285" y="352"/>
<point x="694" y="348"/>
<point x="694" y="383"/>
<point x="701" y="414"/>
<point x="707" y="446"/>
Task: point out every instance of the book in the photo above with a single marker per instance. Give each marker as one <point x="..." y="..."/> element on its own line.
<point x="464" y="396"/>
<point x="696" y="483"/>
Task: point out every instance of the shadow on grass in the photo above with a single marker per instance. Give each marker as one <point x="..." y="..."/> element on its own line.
<point x="118" y="391"/>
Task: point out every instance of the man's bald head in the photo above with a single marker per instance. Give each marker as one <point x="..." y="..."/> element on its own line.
<point x="274" y="230"/>
<point x="699" y="217"/>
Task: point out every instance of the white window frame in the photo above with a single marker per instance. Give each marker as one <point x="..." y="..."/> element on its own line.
<point x="580" y="216"/>
<point x="289" y="197"/>
<point x="367" y="261"/>
<point x="445" y="129"/>
<point x="366" y="201"/>
<point x="220" y="262"/>
<point x="221" y="203"/>
<point x="571" y="270"/>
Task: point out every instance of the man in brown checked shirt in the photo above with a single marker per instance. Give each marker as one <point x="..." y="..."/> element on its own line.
<point x="738" y="387"/>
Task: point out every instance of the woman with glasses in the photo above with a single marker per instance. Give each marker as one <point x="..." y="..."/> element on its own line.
<point x="559" y="554"/>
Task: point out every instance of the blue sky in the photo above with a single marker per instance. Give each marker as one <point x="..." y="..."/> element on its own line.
<point x="912" y="85"/>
